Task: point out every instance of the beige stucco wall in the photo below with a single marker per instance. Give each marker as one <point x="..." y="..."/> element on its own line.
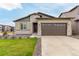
<point x="69" y="27"/>
<point x="19" y="31"/>
<point x="33" y="18"/>
<point x="29" y="21"/>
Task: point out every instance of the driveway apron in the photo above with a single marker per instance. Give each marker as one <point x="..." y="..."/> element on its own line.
<point x="59" y="46"/>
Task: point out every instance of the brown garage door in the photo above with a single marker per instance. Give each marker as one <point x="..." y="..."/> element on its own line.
<point x="54" y="28"/>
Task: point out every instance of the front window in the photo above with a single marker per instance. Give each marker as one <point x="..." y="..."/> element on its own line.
<point x="23" y="26"/>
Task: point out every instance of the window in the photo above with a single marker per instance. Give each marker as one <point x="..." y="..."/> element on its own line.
<point x="23" y="26"/>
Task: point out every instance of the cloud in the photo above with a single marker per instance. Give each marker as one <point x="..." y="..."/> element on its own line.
<point x="10" y="6"/>
<point x="55" y="8"/>
<point x="51" y="6"/>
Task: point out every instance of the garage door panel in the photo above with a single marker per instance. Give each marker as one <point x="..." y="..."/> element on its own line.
<point x="54" y="29"/>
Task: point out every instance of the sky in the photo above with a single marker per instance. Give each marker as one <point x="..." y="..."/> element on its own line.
<point x="13" y="11"/>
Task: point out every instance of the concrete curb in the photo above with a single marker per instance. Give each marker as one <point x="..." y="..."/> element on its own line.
<point x="37" y="50"/>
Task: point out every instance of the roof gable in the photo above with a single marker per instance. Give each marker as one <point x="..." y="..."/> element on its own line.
<point x="38" y="13"/>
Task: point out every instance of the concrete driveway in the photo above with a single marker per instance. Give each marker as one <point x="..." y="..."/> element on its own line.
<point x="59" y="46"/>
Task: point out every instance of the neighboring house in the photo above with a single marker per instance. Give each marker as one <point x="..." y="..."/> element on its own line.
<point x="8" y="28"/>
<point x="43" y="24"/>
<point x="1" y="28"/>
<point x="74" y="13"/>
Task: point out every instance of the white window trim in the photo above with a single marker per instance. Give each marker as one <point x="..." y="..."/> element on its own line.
<point x="23" y="26"/>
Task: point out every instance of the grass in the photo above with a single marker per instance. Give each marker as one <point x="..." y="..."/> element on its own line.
<point x="17" y="47"/>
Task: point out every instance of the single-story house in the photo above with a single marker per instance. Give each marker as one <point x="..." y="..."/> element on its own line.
<point x="43" y="24"/>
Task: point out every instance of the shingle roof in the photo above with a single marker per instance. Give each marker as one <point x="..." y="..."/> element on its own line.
<point x="38" y="13"/>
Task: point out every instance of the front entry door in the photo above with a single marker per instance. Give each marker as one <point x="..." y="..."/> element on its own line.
<point x="35" y="27"/>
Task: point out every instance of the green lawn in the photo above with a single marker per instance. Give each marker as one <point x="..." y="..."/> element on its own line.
<point x="17" y="47"/>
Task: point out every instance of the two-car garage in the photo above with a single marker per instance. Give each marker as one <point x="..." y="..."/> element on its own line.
<point x="54" y="29"/>
<point x="54" y="26"/>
